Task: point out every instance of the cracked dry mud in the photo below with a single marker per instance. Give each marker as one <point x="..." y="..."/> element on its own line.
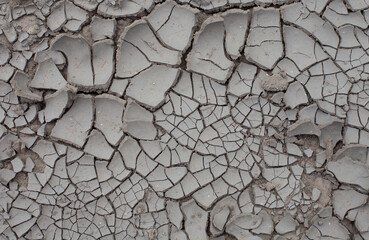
<point x="185" y="119"/>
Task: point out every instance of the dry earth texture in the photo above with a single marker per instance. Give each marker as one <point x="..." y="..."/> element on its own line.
<point x="185" y="119"/>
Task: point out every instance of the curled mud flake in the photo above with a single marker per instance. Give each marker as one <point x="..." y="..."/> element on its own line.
<point x="264" y="45"/>
<point x="66" y="15"/>
<point x="77" y="51"/>
<point x="119" y="8"/>
<point x="76" y="123"/>
<point x="102" y="28"/>
<point x="174" y="24"/>
<point x="48" y="76"/>
<point x="149" y="87"/>
<point x="300" y="48"/>
<point x="359" y="170"/>
<point x="137" y="122"/>
<point x="208" y="57"/>
<point x="57" y="103"/>
<point x="20" y="85"/>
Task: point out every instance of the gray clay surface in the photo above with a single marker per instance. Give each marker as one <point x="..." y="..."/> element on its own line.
<point x="184" y="119"/>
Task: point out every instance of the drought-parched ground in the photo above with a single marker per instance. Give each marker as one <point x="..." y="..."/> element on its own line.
<point x="186" y="119"/>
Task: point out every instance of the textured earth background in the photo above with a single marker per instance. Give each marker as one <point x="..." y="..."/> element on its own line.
<point x="186" y="119"/>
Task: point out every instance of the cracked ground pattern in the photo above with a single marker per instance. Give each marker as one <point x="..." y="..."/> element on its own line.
<point x="186" y="119"/>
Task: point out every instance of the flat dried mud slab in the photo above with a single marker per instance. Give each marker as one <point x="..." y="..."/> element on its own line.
<point x="184" y="119"/>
